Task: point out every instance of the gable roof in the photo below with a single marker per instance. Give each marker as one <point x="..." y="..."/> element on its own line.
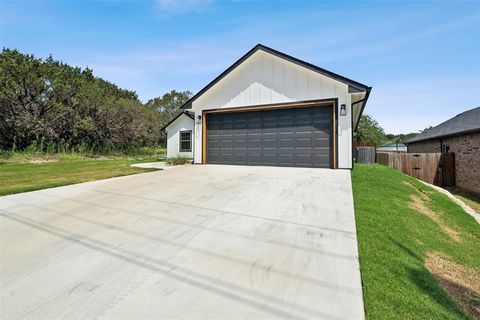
<point x="189" y="114"/>
<point x="353" y="86"/>
<point x="465" y="122"/>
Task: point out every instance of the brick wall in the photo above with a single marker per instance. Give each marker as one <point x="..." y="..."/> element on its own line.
<point x="431" y="146"/>
<point x="467" y="160"/>
<point x="467" y="157"/>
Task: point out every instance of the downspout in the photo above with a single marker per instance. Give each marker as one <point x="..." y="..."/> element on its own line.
<point x="363" y="107"/>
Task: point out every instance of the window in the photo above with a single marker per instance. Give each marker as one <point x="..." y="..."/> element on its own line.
<point x="185" y="141"/>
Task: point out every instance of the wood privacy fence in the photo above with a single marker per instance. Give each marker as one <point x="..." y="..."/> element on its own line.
<point x="434" y="168"/>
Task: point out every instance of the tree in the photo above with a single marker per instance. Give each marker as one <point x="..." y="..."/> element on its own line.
<point x="400" y="138"/>
<point x="169" y="104"/>
<point x="426" y="129"/>
<point x="64" y="106"/>
<point x="370" y="131"/>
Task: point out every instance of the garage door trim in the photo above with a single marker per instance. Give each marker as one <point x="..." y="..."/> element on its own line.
<point x="311" y="103"/>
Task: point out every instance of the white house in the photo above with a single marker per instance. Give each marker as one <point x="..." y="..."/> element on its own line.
<point x="180" y="135"/>
<point x="269" y="108"/>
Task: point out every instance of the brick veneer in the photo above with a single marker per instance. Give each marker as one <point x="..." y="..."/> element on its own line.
<point x="430" y="146"/>
<point x="467" y="157"/>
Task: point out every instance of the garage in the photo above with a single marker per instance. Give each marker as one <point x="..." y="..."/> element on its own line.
<point x="300" y="136"/>
<point x="271" y="109"/>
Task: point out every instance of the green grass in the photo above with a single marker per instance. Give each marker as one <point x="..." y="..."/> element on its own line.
<point x="18" y="177"/>
<point x="469" y="198"/>
<point x="394" y="240"/>
<point x="37" y="153"/>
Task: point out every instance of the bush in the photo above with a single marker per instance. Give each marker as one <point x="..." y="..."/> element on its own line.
<point x="178" y="161"/>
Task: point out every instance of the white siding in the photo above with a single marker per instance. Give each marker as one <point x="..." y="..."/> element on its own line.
<point x="264" y="79"/>
<point x="183" y="123"/>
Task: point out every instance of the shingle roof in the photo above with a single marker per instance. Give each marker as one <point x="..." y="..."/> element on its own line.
<point x="465" y="122"/>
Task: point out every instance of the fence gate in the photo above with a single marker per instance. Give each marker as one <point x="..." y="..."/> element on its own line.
<point x="434" y="168"/>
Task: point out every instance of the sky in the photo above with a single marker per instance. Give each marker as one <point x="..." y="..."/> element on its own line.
<point x="422" y="58"/>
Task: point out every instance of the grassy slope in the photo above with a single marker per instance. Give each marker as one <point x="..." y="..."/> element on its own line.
<point x="469" y="198"/>
<point x="394" y="240"/>
<point x="22" y="177"/>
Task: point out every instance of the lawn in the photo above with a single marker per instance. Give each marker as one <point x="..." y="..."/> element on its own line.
<point x="21" y="177"/>
<point x="470" y="199"/>
<point x="414" y="241"/>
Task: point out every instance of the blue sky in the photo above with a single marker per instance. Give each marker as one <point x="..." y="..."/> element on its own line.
<point x="422" y="58"/>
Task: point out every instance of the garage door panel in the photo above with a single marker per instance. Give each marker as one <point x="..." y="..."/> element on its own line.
<point x="304" y="143"/>
<point x="240" y="144"/>
<point x="240" y="132"/>
<point x="321" y="152"/>
<point x="321" y="143"/>
<point x="240" y="159"/>
<point x="227" y="157"/>
<point x="280" y="137"/>
<point x="286" y="159"/>
<point x="268" y="143"/>
<point x="270" y="159"/>
<point x="285" y="143"/>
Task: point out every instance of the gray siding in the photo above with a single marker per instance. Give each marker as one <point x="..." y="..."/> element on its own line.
<point x="282" y="137"/>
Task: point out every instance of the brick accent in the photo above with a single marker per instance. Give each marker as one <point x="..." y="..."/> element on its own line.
<point x="467" y="157"/>
<point x="467" y="160"/>
<point x="430" y="146"/>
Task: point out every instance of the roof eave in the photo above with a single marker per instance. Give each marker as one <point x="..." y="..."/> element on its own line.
<point x="455" y="134"/>
<point x="188" y="114"/>
<point x="367" y="95"/>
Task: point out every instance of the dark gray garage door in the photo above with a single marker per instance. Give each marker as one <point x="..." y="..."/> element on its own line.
<point x="292" y="137"/>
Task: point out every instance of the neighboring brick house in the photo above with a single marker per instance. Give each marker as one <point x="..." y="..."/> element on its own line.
<point x="460" y="135"/>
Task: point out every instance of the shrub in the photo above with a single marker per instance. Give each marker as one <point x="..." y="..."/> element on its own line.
<point x="177" y="161"/>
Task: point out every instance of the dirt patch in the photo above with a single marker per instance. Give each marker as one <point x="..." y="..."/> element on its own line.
<point x="41" y="160"/>
<point x="418" y="204"/>
<point x="460" y="282"/>
<point x="424" y="194"/>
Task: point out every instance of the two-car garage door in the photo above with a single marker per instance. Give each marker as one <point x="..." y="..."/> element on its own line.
<point x="291" y="137"/>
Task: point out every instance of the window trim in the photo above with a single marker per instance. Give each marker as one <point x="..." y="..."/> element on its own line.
<point x="180" y="141"/>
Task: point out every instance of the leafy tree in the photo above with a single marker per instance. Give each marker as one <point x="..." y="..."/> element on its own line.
<point x="169" y="104"/>
<point x="370" y="131"/>
<point x="399" y="138"/>
<point x="47" y="102"/>
<point x="426" y="129"/>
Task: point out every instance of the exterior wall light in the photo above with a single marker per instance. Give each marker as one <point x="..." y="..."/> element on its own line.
<point x="199" y="119"/>
<point x="343" y="110"/>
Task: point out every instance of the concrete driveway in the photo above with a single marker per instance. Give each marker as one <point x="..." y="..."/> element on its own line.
<point x="194" y="242"/>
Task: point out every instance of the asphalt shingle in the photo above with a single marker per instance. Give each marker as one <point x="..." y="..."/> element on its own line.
<point x="468" y="121"/>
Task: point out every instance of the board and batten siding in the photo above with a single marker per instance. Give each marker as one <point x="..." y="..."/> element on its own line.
<point x="183" y="123"/>
<point x="267" y="79"/>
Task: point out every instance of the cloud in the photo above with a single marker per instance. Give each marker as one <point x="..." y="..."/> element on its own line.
<point x="170" y="7"/>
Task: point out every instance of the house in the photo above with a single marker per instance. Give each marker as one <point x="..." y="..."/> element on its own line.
<point x="392" y="147"/>
<point x="272" y="109"/>
<point x="180" y="135"/>
<point x="460" y="135"/>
